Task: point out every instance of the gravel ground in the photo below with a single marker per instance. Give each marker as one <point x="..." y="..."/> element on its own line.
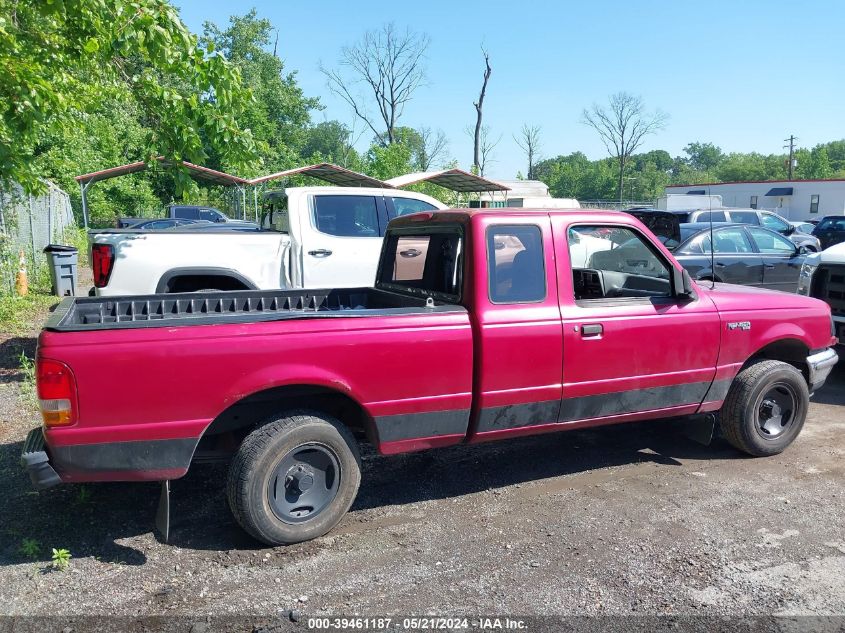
<point x="632" y="519"/>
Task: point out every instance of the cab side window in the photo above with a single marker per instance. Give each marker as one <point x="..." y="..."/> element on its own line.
<point x="406" y="206"/>
<point x="611" y="262"/>
<point x="515" y="264"/>
<point x="346" y="216"/>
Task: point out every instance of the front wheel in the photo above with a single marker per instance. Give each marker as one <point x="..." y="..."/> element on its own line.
<point x="765" y="408"/>
<point x="294" y="477"/>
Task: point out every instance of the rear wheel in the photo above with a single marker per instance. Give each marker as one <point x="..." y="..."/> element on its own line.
<point x="294" y="477"/>
<point x="765" y="408"/>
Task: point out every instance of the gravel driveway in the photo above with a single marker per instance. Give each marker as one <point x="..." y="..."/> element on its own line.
<point x="631" y="519"/>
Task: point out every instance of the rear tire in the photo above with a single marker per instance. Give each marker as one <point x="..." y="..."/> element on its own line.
<point x="294" y="477"/>
<point x="765" y="408"/>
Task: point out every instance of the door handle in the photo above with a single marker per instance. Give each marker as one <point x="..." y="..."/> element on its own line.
<point x="320" y="252"/>
<point x="769" y="265"/>
<point x="593" y="329"/>
<point x="720" y="265"/>
<point x="411" y="252"/>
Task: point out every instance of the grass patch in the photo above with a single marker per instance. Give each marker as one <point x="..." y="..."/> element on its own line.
<point x="24" y="315"/>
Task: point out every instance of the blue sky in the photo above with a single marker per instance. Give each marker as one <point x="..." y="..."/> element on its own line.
<point x="741" y="74"/>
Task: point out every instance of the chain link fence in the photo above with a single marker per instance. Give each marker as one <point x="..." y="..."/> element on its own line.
<point x="27" y="224"/>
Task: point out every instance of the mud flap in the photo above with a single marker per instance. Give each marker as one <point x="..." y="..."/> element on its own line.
<point x="163" y="514"/>
<point x="701" y="428"/>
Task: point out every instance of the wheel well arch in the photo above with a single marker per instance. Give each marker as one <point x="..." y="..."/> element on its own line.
<point x="787" y="350"/>
<point x="198" y="278"/>
<point x="242" y="416"/>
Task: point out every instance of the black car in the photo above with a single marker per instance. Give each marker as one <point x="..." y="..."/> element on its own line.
<point x="742" y="254"/>
<point x="164" y="223"/>
<point x="830" y="230"/>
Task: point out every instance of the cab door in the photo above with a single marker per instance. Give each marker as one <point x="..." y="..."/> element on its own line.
<point x="518" y="340"/>
<point x="341" y="240"/>
<point x="632" y="348"/>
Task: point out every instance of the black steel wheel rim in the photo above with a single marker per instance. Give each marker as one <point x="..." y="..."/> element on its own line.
<point x="304" y="482"/>
<point x="776" y="410"/>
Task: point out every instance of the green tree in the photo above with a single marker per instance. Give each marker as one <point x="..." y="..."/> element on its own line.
<point x="703" y="156"/>
<point x="279" y="115"/>
<point x="58" y="58"/>
<point x="330" y="141"/>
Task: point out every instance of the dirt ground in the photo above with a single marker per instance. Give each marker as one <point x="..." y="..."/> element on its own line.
<point x="632" y="519"/>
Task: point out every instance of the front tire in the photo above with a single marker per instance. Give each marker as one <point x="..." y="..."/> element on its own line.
<point x="765" y="408"/>
<point x="294" y="477"/>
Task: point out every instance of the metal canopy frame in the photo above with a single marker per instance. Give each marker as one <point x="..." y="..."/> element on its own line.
<point x="197" y="172"/>
<point x="328" y="172"/>
<point x="454" y="179"/>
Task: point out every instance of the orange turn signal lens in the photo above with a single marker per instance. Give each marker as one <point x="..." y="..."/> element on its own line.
<point x="56" y="412"/>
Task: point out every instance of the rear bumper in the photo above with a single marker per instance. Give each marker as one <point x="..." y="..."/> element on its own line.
<point x="820" y="365"/>
<point x="142" y="460"/>
<point x="35" y="460"/>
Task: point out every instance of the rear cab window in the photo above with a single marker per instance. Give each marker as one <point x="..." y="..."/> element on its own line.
<point x="187" y="213"/>
<point x="424" y="261"/>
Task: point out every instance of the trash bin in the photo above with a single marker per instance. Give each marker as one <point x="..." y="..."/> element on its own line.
<point x="62" y="261"/>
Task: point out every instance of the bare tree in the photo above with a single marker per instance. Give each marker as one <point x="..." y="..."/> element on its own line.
<point x="476" y="153"/>
<point x="623" y="127"/>
<point x="432" y="149"/>
<point x="486" y="145"/>
<point x="389" y="65"/>
<point x="529" y="141"/>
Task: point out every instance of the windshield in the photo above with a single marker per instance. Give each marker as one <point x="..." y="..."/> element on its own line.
<point x="425" y="261"/>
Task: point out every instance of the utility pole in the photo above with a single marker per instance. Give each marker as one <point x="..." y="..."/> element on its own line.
<point x="791" y="140"/>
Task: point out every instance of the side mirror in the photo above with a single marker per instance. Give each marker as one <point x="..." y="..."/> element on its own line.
<point x="789" y="230"/>
<point x="803" y="250"/>
<point x="684" y="286"/>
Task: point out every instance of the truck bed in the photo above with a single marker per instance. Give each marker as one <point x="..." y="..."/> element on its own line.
<point x="75" y="314"/>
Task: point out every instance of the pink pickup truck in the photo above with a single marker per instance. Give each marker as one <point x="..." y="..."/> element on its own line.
<point x="482" y="325"/>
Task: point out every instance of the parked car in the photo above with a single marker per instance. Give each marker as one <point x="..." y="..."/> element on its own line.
<point x="830" y="230"/>
<point x="743" y="254"/>
<point x="166" y="223"/>
<point x="180" y="212"/>
<point x="478" y="328"/>
<point x="231" y="225"/>
<point x="323" y="237"/>
<point x="755" y="217"/>
<point x="805" y="226"/>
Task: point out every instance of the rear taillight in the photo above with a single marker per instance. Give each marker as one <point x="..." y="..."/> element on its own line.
<point x="102" y="261"/>
<point x="56" y="392"/>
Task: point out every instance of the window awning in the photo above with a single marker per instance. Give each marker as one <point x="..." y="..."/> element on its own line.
<point x="454" y="179"/>
<point x="333" y="174"/>
<point x="779" y="191"/>
<point x="696" y="192"/>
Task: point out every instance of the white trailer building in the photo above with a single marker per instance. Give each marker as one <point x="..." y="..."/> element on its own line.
<point x="792" y="199"/>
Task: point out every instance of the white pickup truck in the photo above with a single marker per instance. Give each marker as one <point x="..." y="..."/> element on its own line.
<point x="314" y="237"/>
<point x="823" y="277"/>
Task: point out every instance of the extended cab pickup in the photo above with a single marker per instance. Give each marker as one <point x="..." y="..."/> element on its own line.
<point x="320" y="237"/>
<point x="482" y="325"/>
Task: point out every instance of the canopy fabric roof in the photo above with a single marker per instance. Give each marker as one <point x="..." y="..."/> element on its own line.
<point x="454" y="179"/>
<point x="334" y="174"/>
<point x="780" y="191"/>
<point x="197" y="171"/>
